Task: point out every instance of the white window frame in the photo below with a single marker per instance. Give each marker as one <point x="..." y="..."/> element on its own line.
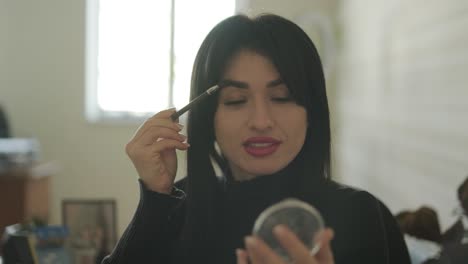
<point x="93" y="112"/>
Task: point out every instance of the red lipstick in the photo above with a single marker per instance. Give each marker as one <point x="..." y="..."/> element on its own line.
<point x="261" y="146"/>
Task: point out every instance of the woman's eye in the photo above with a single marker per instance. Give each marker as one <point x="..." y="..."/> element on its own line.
<point x="234" y="102"/>
<point x="282" y="99"/>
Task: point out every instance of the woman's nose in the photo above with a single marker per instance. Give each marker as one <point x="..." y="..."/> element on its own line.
<point x="260" y="117"/>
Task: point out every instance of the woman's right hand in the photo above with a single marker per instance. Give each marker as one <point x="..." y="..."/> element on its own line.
<point x="152" y="151"/>
<point x="258" y="252"/>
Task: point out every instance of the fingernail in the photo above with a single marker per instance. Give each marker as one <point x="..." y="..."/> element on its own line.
<point x="279" y="230"/>
<point x="180" y="126"/>
<point x="250" y="241"/>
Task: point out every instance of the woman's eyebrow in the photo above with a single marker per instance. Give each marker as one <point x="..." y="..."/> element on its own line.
<point x="244" y="85"/>
<point x="233" y="83"/>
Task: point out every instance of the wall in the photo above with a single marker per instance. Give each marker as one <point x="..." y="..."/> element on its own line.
<point x="402" y="101"/>
<point x="3" y="42"/>
<point x="43" y="92"/>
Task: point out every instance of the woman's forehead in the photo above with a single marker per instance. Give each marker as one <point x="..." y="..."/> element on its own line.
<point x="249" y="61"/>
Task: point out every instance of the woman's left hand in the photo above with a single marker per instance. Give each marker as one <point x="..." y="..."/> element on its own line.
<point x="258" y="252"/>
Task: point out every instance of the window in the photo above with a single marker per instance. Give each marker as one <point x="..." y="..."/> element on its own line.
<point x="140" y="53"/>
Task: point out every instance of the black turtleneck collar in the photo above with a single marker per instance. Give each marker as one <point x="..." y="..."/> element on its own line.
<point x="297" y="178"/>
<point x="278" y="184"/>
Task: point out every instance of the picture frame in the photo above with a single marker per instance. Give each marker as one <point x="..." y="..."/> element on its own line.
<point x="92" y="228"/>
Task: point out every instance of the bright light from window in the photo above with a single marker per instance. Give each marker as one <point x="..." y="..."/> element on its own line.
<point x="194" y="19"/>
<point x="134" y="51"/>
<point x="134" y="55"/>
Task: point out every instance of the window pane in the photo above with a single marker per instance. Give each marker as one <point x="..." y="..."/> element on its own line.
<point x="193" y="21"/>
<point x="133" y="55"/>
<point x="134" y="45"/>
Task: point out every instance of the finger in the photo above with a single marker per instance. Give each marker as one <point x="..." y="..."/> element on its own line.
<point x="325" y="254"/>
<point x="134" y="147"/>
<point x="241" y="256"/>
<point x="259" y="252"/>
<point x="154" y="124"/>
<point x="164" y="122"/>
<point x="167" y="114"/>
<point x="250" y="245"/>
<point x="295" y="248"/>
<point x="156" y="151"/>
<point x="152" y="136"/>
<point x="168" y="144"/>
<point x="161" y="118"/>
<point x="164" y="113"/>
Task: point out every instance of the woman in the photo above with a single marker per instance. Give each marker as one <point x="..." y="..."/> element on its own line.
<point x="268" y="130"/>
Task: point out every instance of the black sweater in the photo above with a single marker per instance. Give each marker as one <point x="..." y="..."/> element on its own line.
<point x="365" y="230"/>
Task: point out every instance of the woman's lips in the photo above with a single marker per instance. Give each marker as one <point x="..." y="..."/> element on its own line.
<point x="261" y="146"/>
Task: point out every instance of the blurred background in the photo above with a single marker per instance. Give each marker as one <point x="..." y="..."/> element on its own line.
<point x="396" y="75"/>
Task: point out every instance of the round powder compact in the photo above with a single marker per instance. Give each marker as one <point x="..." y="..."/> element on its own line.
<point x="301" y="218"/>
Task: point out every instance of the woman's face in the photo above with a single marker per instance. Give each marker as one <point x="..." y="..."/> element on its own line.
<point x="258" y="126"/>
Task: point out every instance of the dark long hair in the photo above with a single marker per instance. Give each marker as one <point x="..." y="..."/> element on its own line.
<point x="295" y="57"/>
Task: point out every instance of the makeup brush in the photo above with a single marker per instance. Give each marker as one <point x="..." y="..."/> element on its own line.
<point x="195" y="101"/>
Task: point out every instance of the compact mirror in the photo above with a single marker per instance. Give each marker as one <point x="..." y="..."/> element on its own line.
<point x="302" y="218"/>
